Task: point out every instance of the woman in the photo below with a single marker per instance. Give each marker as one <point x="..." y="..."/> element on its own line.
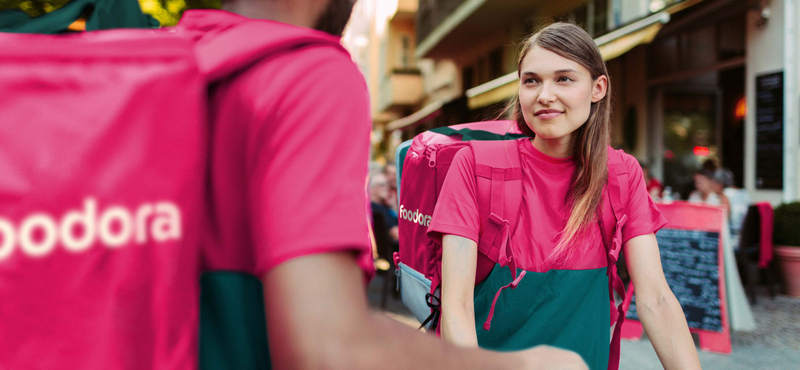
<point x="563" y="105"/>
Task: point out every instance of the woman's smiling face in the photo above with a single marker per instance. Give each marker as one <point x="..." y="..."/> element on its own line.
<point x="556" y="93"/>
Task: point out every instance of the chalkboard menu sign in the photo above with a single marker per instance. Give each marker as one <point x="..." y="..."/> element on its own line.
<point x="769" y="131"/>
<point x="690" y="259"/>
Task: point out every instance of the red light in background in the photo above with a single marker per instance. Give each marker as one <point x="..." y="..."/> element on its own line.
<point x="701" y="151"/>
<point x="668" y="154"/>
<point x="741" y="108"/>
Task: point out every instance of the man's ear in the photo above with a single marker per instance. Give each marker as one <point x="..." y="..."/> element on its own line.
<point x="600" y="88"/>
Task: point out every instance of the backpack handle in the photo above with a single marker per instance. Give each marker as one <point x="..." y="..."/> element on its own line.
<point x="470" y="134"/>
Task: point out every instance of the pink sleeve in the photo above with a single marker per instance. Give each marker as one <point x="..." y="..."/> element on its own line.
<point x="456" y="211"/>
<point x="643" y="215"/>
<point x="307" y="162"/>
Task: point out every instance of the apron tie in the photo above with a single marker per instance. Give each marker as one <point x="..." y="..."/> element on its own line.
<point x="488" y="324"/>
<point x="505" y="258"/>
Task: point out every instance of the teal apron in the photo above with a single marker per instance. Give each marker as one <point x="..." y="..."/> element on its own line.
<point x="561" y="308"/>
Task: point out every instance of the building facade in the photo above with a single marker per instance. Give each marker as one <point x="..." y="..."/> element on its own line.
<point x="692" y="80"/>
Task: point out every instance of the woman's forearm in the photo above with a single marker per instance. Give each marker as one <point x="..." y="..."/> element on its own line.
<point x="665" y="324"/>
<point x="459" y="260"/>
<point x="458" y="327"/>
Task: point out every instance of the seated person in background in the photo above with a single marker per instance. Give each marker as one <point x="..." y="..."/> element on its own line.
<point x="708" y="191"/>
<point x="391" y="174"/>
<point x="378" y="196"/>
<point x="738" y="202"/>
<point x="717" y="188"/>
<point x="654" y="187"/>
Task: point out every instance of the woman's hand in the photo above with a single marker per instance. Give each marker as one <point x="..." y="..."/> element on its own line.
<point x="459" y="261"/>
<point x="657" y="307"/>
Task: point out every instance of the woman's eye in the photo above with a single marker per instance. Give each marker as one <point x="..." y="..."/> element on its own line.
<point x="565" y="79"/>
<point x="529" y="81"/>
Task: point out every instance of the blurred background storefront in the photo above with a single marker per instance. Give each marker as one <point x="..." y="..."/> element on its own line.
<point x="693" y="80"/>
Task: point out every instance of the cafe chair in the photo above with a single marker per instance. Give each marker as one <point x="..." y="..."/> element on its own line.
<point x="752" y="258"/>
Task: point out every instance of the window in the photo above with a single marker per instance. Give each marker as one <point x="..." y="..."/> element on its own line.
<point x="483" y="70"/>
<point x="496" y="63"/>
<point x="467" y="78"/>
<point x="600" y="18"/>
<point x="405" y="52"/>
<point x="695" y="48"/>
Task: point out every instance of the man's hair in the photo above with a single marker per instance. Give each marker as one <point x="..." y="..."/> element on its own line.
<point x="334" y="19"/>
<point x="723" y="176"/>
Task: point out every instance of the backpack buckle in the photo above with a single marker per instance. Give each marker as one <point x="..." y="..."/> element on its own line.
<point x="616" y="242"/>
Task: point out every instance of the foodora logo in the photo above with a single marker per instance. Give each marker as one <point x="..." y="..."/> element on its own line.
<point x="39" y="233"/>
<point x="416" y="217"/>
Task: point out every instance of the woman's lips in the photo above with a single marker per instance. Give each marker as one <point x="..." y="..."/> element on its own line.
<point x="548" y="114"/>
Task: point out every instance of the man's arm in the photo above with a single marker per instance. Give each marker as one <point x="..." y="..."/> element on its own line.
<point x="318" y="317"/>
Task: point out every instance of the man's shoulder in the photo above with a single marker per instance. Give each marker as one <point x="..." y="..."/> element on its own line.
<point x="229" y="46"/>
<point x="302" y="69"/>
<point x="295" y="74"/>
<point x="311" y="59"/>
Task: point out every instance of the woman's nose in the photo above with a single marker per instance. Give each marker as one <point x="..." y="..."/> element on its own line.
<point x="546" y="95"/>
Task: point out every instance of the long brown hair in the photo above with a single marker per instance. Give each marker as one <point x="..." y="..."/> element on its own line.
<point x="589" y="142"/>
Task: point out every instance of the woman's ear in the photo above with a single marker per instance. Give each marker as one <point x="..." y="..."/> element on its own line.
<point x="600" y="88"/>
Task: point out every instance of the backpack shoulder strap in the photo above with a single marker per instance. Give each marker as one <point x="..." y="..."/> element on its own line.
<point x="499" y="187"/>
<point x="618" y="195"/>
<point x="225" y="43"/>
<point x="499" y="162"/>
<point x="498" y="180"/>
<point x="618" y="181"/>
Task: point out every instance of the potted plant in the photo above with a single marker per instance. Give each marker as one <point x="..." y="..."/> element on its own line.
<point x="786" y="237"/>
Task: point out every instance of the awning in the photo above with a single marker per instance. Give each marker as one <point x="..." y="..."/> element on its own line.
<point x="493" y="91"/>
<point x="423" y="115"/>
<point x="625" y="43"/>
<point x="616" y="43"/>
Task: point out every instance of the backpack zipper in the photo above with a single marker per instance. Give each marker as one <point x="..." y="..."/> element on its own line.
<point x="430" y="152"/>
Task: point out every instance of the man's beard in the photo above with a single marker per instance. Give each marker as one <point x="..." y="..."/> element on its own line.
<point x="335" y="17"/>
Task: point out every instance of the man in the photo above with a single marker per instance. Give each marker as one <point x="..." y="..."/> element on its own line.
<point x="288" y="179"/>
<point x="391" y="173"/>
<point x="379" y="196"/>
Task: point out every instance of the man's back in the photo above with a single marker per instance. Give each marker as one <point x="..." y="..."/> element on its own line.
<point x="285" y="177"/>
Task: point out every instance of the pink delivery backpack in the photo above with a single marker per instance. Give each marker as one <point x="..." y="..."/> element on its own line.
<point x="103" y="149"/>
<point x="499" y="187"/>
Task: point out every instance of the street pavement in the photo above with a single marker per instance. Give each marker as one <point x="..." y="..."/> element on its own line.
<point x="774" y="345"/>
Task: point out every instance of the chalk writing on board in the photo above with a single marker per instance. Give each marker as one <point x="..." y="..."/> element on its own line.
<point x="690" y="259"/>
<point x="769" y="131"/>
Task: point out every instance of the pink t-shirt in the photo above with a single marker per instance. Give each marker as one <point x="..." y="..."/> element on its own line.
<point x="546" y="181"/>
<point x="289" y="155"/>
